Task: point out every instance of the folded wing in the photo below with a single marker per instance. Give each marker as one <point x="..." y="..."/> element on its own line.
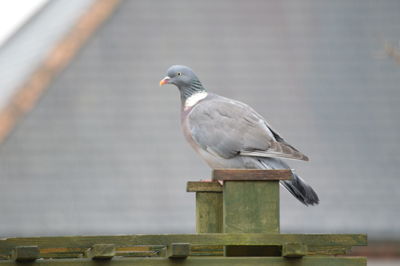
<point x="230" y="128"/>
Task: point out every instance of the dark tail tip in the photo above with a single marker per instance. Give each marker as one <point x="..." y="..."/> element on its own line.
<point x="303" y="192"/>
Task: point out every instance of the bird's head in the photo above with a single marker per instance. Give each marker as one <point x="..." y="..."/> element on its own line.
<point x="180" y="76"/>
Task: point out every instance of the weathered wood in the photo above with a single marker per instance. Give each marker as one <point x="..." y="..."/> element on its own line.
<point x="25" y="253"/>
<point x="141" y="251"/>
<point x="311" y="250"/>
<point x="139" y="254"/>
<point x="163" y="252"/>
<point x="198" y="186"/>
<point x="49" y="253"/>
<point x="101" y="251"/>
<point x="250" y="174"/>
<point x="208" y="206"/>
<point x="251" y="207"/>
<point x="201" y="261"/>
<point x="72" y="255"/>
<point x="178" y="250"/>
<point x="294" y="250"/>
<point x="207" y="250"/>
<point x="160" y="251"/>
<point x="132" y="251"/>
<point x="76" y="242"/>
<point x="328" y="250"/>
<point x="208" y="212"/>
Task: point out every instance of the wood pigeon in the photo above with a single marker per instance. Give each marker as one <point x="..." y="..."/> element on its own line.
<point x="230" y="134"/>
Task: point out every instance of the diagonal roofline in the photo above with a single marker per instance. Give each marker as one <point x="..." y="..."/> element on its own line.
<point x="36" y="13"/>
<point x="27" y="95"/>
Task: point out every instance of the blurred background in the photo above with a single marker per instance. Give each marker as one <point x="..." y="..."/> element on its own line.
<point x="90" y="144"/>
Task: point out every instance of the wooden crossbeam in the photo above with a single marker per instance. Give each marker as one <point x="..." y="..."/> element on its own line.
<point x="192" y="261"/>
<point x="198" y="186"/>
<point x="326" y="240"/>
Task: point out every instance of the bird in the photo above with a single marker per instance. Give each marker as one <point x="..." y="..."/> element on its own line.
<point x="230" y="134"/>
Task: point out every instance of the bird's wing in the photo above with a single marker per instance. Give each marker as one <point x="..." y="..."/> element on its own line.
<point x="229" y="128"/>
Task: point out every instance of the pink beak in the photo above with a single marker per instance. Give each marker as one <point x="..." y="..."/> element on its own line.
<point x="165" y="81"/>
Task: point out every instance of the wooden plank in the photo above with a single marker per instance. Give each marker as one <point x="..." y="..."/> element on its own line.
<point x="207" y="250"/>
<point x="178" y="250"/>
<point x="196" y="250"/>
<point x="250" y="174"/>
<point x="141" y="251"/>
<point x="208" y="212"/>
<point x="140" y="248"/>
<point x="294" y="250"/>
<point x="203" y="261"/>
<point x="101" y="251"/>
<point x="50" y="253"/>
<point x="157" y="251"/>
<point x="8" y="244"/>
<point x="72" y="255"/>
<point x="311" y="250"/>
<point x="198" y="186"/>
<point x="328" y="250"/>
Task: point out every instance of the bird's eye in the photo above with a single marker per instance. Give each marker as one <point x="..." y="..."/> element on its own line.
<point x="179" y="73"/>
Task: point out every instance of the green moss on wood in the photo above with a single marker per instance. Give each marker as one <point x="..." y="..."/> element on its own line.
<point x="208" y="212"/>
<point x="201" y="261"/>
<point x="251" y="207"/>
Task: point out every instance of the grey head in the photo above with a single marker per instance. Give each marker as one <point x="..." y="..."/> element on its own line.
<point x="184" y="78"/>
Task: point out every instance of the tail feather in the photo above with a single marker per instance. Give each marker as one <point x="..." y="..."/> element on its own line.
<point x="303" y="192"/>
<point x="296" y="186"/>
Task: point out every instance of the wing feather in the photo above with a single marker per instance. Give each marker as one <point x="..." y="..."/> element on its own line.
<point x="230" y="128"/>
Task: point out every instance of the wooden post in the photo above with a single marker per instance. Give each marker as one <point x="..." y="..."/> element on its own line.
<point x="251" y="205"/>
<point x="208" y="206"/>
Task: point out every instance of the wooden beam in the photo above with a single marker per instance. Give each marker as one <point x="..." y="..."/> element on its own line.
<point x="326" y="240"/>
<point x="250" y="174"/>
<point x="198" y="186"/>
<point x="198" y="261"/>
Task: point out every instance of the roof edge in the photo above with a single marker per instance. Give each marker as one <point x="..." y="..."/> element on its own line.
<point x="27" y="95"/>
<point x="24" y="24"/>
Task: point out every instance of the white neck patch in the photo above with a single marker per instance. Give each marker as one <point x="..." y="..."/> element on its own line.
<point x="195" y="98"/>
